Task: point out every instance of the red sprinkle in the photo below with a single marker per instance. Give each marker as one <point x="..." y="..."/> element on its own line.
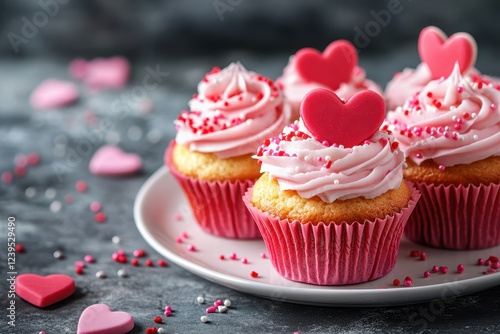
<point x="487" y="263"/>
<point x="407" y="283"/>
<point x="158" y="320"/>
<point x="493" y="258"/>
<point x="460" y="268"/>
<point x="151" y="330"/>
<point x="254" y="274"/>
<point x="79" y="270"/>
<point x="423" y="256"/>
<point x="233" y="256"/>
<point x="134" y="262"/>
<point x="435" y="269"/>
<point x="100" y="217"/>
<point x="19" y="248"/>
<point x="191" y="248"/>
<point x="162" y="263"/>
<point x="19" y="171"/>
<point x="414" y="253"/>
<point x="396" y="282"/>
<point x="495" y="265"/>
<point x="81" y="186"/>
<point x="408" y="278"/>
<point x="444" y="270"/>
<point x="139" y="253"/>
<point x="427" y="274"/>
<point x="222" y="257"/>
<point x="7" y="177"/>
<point x="480" y="261"/>
<point x="149" y="263"/>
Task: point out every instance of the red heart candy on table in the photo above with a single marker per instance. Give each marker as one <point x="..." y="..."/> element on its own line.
<point x="329" y="119"/>
<point x="440" y="54"/>
<point x="99" y="319"/>
<point x="330" y="68"/>
<point x="43" y="291"/>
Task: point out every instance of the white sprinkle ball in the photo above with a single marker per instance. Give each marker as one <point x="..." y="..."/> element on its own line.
<point x="58" y="254"/>
<point x="50" y="193"/>
<point x="200" y="299"/>
<point x="121" y="273"/>
<point x="55" y="206"/>
<point x="227" y="302"/>
<point x="30" y="192"/>
<point x="161" y="330"/>
<point x="204" y="318"/>
<point x="328" y="158"/>
<point x="222" y="308"/>
<point x="100" y="274"/>
<point x="115" y="239"/>
<point x="475" y="137"/>
<point x="336" y="182"/>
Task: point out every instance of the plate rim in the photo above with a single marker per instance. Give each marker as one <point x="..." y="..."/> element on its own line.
<point x="260" y="289"/>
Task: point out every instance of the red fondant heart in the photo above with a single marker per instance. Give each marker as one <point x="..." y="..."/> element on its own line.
<point x="441" y="54"/>
<point x="99" y="319"/>
<point x="328" y="118"/>
<point x="43" y="291"/>
<point x="330" y="68"/>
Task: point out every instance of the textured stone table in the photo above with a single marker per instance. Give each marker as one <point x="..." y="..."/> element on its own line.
<point x="144" y="293"/>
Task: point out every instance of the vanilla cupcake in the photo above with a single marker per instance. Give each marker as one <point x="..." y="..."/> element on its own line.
<point x="233" y="112"/>
<point x="335" y="69"/>
<point x="331" y="203"/>
<point x="438" y="54"/>
<point x="450" y="133"/>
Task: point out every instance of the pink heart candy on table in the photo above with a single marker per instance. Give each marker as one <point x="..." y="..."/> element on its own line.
<point x="99" y="319"/>
<point x="43" y="291"/>
<point x="53" y="93"/>
<point x="111" y="160"/>
<point x="349" y="123"/>
<point x="103" y="73"/>
<point x="330" y="68"/>
<point x="441" y="53"/>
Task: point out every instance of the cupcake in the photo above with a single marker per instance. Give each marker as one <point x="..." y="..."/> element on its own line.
<point x="211" y="156"/>
<point x="335" y="69"/>
<point x="438" y="54"/>
<point x="450" y="133"/>
<point x="331" y="204"/>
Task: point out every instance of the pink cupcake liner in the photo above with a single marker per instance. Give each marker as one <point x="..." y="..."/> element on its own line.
<point x="456" y="217"/>
<point x="332" y="254"/>
<point x="217" y="206"/>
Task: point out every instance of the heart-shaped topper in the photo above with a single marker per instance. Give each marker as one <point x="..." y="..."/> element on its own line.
<point x="111" y="160"/>
<point x="330" y="119"/>
<point x="99" y="319"/>
<point x="330" y="68"/>
<point x="440" y="54"/>
<point x="44" y="291"/>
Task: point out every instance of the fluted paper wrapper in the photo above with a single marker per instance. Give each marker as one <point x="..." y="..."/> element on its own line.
<point x="217" y="205"/>
<point x="332" y="254"/>
<point x="456" y="217"/>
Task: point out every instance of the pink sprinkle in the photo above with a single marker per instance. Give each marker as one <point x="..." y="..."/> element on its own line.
<point x="427" y="274"/>
<point x="89" y="258"/>
<point x="81" y="186"/>
<point x="407" y="283"/>
<point x="423" y="256"/>
<point x="460" y="268"/>
<point x="139" y="253"/>
<point x="435" y="269"/>
<point x="168" y="307"/>
<point x="95" y="206"/>
<point x="191" y="248"/>
<point x="7" y="177"/>
<point x="263" y="255"/>
<point x="178" y="240"/>
<point x="42" y="332"/>
<point x="441" y="167"/>
<point x="487" y="263"/>
<point x="184" y="235"/>
<point x="177" y="217"/>
<point x="120" y="252"/>
<point x="460" y="89"/>
<point x="444" y="270"/>
<point x="21" y="160"/>
<point x="69" y="198"/>
<point x="480" y="261"/>
<point x="19" y="170"/>
<point x="493" y="106"/>
<point x="167" y="312"/>
<point x="211" y="309"/>
<point x="80" y="264"/>
<point x="244" y="260"/>
<point x="114" y="256"/>
<point x="217" y="303"/>
<point x="495" y="265"/>
<point x="319" y="159"/>
<point x="233" y="256"/>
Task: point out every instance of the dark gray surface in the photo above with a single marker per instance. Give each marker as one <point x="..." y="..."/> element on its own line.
<point x="146" y="291"/>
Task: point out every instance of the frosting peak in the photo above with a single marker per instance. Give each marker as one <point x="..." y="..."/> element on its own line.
<point x="233" y="112"/>
<point x="451" y="121"/>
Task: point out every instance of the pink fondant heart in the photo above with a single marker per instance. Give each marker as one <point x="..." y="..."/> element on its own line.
<point x="328" y="118"/>
<point x="99" y="319"/>
<point x="330" y="68"/>
<point x="103" y="73"/>
<point x="111" y="160"/>
<point x="441" y="54"/>
<point x="43" y="291"/>
<point x="53" y="93"/>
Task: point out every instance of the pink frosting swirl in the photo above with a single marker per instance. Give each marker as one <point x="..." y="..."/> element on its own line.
<point x="233" y="112"/>
<point x="301" y="163"/>
<point x="295" y="87"/>
<point x="451" y="121"/>
<point x="411" y="81"/>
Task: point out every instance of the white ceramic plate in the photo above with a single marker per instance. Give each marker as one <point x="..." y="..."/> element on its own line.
<point x="160" y="203"/>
